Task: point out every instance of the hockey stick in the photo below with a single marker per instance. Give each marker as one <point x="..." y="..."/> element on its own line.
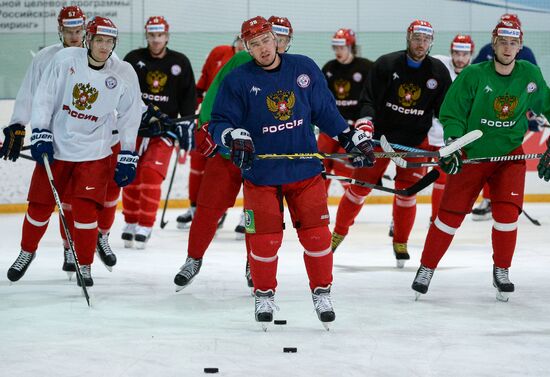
<point x="424" y="182"/>
<point x="65" y="228"/>
<point x="324" y="156"/>
<point x="533" y="221"/>
<point x="478" y="160"/>
<point x="162" y="222"/>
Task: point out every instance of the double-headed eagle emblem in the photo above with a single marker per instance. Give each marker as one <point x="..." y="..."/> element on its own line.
<point x="504" y="106"/>
<point x="84" y="95"/>
<point x="408" y="94"/>
<point x="280" y="104"/>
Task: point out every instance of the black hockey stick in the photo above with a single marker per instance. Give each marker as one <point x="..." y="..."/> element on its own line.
<point x="533" y="221"/>
<point x="324" y="156"/>
<point x="162" y="222"/>
<point x="478" y="160"/>
<point x="65" y="228"/>
<point x="424" y="182"/>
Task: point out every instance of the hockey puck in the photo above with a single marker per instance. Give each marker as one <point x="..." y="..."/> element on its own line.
<point x="280" y="322"/>
<point x="290" y="349"/>
<point x="211" y="370"/>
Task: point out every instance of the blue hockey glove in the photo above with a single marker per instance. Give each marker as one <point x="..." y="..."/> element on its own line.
<point x="535" y="121"/>
<point x="14" y="136"/>
<point x="451" y="164"/>
<point x="41" y="142"/>
<point x="544" y="164"/>
<point x="183" y="131"/>
<point x="240" y="144"/>
<point x="126" y="166"/>
<point x="358" y="141"/>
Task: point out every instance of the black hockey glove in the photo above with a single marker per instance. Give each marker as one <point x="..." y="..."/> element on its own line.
<point x="154" y="122"/>
<point x="240" y="144"/>
<point x="358" y="141"/>
<point x="41" y="143"/>
<point x="14" y="136"/>
<point x="184" y="131"/>
<point x="451" y="164"/>
<point x="544" y="164"/>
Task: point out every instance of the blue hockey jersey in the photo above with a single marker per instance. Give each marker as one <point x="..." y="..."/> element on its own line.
<point x="278" y="108"/>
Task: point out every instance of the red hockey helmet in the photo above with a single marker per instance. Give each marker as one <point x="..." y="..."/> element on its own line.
<point x="510" y="17"/>
<point x="344" y="37"/>
<point x="420" y="27"/>
<point x="71" y="16"/>
<point x="157" y="24"/>
<point x="101" y="26"/>
<point x="281" y="25"/>
<point x="508" y="28"/>
<point x="254" y="27"/>
<point x="463" y="42"/>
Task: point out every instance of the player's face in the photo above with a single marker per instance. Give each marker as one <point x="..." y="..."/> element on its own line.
<point x="263" y="49"/>
<point x="156" y="42"/>
<point x="101" y="47"/>
<point x="506" y="49"/>
<point x="282" y="43"/>
<point x="342" y="53"/>
<point x="73" y="36"/>
<point x="419" y="45"/>
<point x="461" y="59"/>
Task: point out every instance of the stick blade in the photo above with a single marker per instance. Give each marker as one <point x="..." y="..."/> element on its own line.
<point x="424" y="182"/>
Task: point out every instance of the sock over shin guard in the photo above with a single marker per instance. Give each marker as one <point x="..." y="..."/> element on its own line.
<point x="203" y="229"/>
<point x="149" y="198"/>
<point x="349" y="207"/>
<point x="85" y="229"/>
<point x="318" y="255"/>
<point x="263" y="259"/>
<point x="504" y="233"/>
<point x="35" y="225"/>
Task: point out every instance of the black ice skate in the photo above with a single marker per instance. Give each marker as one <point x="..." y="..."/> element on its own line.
<point x="422" y="280"/>
<point x="323" y="305"/>
<point x="187" y="273"/>
<point x="103" y="250"/>
<point x="401" y="254"/>
<point x="240" y="230"/>
<point x="128" y="233"/>
<point x="19" y="267"/>
<point x="390" y="232"/>
<point x="142" y="236"/>
<point x="264" y="302"/>
<point x="184" y="220"/>
<point x="501" y="282"/>
<point x="86" y="271"/>
<point x="68" y="263"/>
<point x="483" y="211"/>
<point x="248" y="276"/>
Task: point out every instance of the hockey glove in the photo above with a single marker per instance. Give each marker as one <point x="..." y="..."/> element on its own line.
<point x="451" y="164"/>
<point x="41" y="142"/>
<point x="204" y="143"/>
<point x="544" y="164"/>
<point x="154" y="122"/>
<point x="184" y="132"/>
<point x="126" y="166"/>
<point x="535" y="121"/>
<point x="358" y="141"/>
<point x="14" y="136"/>
<point x="240" y="144"/>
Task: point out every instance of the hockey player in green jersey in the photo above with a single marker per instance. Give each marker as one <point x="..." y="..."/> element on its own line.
<point x="494" y="97"/>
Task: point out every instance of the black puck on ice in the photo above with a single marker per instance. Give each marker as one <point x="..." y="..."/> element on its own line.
<point x="280" y="322"/>
<point x="290" y="349"/>
<point x="211" y="370"/>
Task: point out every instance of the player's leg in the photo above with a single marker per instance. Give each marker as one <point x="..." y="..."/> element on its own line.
<point x="196" y="172"/>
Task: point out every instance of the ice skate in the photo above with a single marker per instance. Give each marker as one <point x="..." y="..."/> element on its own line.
<point x="221" y="221"/>
<point x="187" y="273"/>
<point x="184" y="220"/>
<point x="390" y="232"/>
<point x="128" y="233"/>
<point x="401" y="254"/>
<point x="483" y="211"/>
<point x="264" y="302"/>
<point x="422" y="280"/>
<point x="323" y="305"/>
<point x="103" y="250"/>
<point x="336" y="240"/>
<point x="240" y="229"/>
<point x="248" y="276"/>
<point x="68" y="263"/>
<point x="86" y="271"/>
<point x="502" y="283"/>
<point x="143" y="233"/>
<point x="19" y="267"/>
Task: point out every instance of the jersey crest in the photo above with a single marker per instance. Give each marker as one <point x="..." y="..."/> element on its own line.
<point x="84" y="95"/>
<point x="281" y="103"/>
<point x="342" y="88"/>
<point x="504" y="106"/>
<point x="156" y="80"/>
<point x="409" y="94"/>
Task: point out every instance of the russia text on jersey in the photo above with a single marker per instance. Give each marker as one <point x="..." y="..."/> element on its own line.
<point x="155" y="97"/>
<point x="497" y="123"/>
<point x="282" y="126"/>
<point x="76" y="114"/>
<point x="346" y="102"/>
<point x="402" y="110"/>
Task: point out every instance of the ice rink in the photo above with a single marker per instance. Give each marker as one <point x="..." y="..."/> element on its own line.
<point x="139" y="326"/>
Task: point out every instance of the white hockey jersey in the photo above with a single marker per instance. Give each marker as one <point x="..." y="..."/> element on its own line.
<point x="22" y="109"/>
<point x="78" y="105"/>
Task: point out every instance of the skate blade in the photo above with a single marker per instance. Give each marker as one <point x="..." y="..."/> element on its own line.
<point x="400" y="263"/>
<point x="482" y="217"/>
<point x="109" y="268"/>
<point x="503" y="296"/>
<point x="326" y="325"/>
<point x="128" y="244"/>
<point x="70" y="275"/>
<point x="417" y="295"/>
<point x="239" y="236"/>
<point x="141" y="245"/>
<point x="264" y="325"/>
<point x="183" y="225"/>
<point x="180" y="287"/>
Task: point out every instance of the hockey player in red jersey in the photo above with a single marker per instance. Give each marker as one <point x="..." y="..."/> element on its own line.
<point x="166" y="80"/>
<point x="402" y="94"/>
<point x="73" y="119"/>
<point x="345" y="77"/>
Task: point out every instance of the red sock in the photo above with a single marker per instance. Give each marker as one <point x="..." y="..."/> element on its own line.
<point x="35" y="225"/>
<point x="85" y="229"/>
<point x="198" y="162"/>
<point x="130" y="200"/>
<point x="437" y="193"/>
<point x="263" y="259"/>
<point x="203" y="229"/>
<point x="68" y="211"/>
<point x="404" y="213"/>
<point x="106" y="215"/>
<point x="150" y="196"/>
<point x="318" y="255"/>
<point x="439" y="237"/>
<point x="349" y="207"/>
<point x="504" y="233"/>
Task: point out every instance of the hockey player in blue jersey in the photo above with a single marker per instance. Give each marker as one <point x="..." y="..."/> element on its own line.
<point x="268" y="106"/>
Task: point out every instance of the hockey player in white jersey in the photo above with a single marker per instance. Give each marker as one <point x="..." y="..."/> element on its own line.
<point x="73" y="113"/>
